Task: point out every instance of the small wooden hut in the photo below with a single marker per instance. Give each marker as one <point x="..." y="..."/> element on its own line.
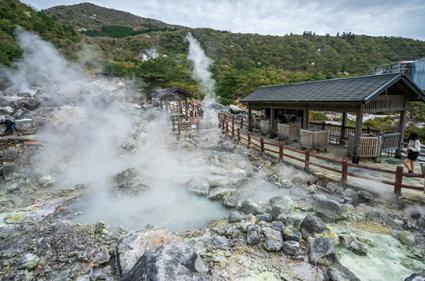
<point x="357" y="95"/>
<point x="165" y="96"/>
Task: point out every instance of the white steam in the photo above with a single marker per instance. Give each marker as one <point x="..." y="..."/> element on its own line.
<point x="201" y="73"/>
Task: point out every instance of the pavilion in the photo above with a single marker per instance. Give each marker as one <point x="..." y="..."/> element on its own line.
<point x="166" y="96"/>
<point x="376" y="94"/>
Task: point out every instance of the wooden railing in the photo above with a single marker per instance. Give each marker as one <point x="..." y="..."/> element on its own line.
<point x="278" y="150"/>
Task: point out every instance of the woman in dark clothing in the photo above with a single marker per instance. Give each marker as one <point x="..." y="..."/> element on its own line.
<point x="413" y="149"/>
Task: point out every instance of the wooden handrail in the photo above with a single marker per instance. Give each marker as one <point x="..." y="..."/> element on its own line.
<point x="279" y="149"/>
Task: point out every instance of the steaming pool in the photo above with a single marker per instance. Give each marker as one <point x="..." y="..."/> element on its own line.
<point x="180" y="212"/>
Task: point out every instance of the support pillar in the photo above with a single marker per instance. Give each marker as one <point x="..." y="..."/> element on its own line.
<point x="249" y="118"/>
<point x="305" y="118"/>
<point x="180" y="110"/>
<point x="401" y="128"/>
<point x="357" y="134"/>
<point x="271" y="122"/>
<point x="160" y="104"/>
<point x="343" y="124"/>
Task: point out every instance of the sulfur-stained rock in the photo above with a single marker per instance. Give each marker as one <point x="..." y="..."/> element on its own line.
<point x="312" y="225"/>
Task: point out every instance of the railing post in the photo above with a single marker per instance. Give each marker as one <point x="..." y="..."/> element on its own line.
<point x="239" y="135"/>
<point x="227" y="128"/>
<point x="398" y="180"/>
<point x="344" y="171"/>
<point x="280" y="151"/>
<point x="178" y="127"/>
<point x="262" y="144"/>
<point x="242" y="122"/>
<point x="307" y="161"/>
<point x="249" y="141"/>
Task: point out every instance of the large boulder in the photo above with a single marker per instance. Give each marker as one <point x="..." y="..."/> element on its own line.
<point x="135" y="244"/>
<point x="419" y="276"/>
<point x="291" y="233"/>
<point x="337" y="272"/>
<point x="328" y="209"/>
<point x="274" y="240"/>
<point x="291" y="248"/>
<point x="24" y="125"/>
<point x="321" y="251"/>
<point x="312" y="225"/>
<point x="250" y="207"/>
<point x="174" y="261"/>
<point x="128" y="181"/>
<point x="253" y="234"/>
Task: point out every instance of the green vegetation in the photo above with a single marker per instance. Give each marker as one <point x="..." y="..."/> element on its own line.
<point x="13" y="14"/>
<point x="117" y="31"/>
<point x="242" y="62"/>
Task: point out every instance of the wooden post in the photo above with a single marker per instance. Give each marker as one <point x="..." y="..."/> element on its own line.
<point x="398" y="180"/>
<point x="344" y="171"/>
<point x="160" y="104"/>
<point x="178" y="127"/>
<point x="343" y="124"/>
<point x="239" y="134"/>
<point x="249" y="119"/>
<point x="249" y="141"/>
<point x="280" y="151"/>
<point x="305" y="118"/>
<point x="262" y="144"/>
<point x="271" y="122"/>
<point x="307" y="160"/>
<point x="227" y="128"/>
<point x="357" y="134"/>
<point x="401" y="128"/>
<point x="242" y="123"/>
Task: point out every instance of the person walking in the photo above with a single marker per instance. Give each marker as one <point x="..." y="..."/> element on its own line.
<point x="413" y="149"/>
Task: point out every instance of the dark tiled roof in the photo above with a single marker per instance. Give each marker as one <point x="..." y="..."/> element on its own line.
<point x="170" y="92"/>
<point x="354" y="89"/>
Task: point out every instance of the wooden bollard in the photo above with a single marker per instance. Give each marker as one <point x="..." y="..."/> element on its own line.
<point x="398" y="180"/>
<point x="239" y="135"/>
<point x="262" y="144"/>
<point x="344" y="171"/>
<point x="249" y="141"/>
<point x="307" y="161"/>
<point x="280" y="151"/>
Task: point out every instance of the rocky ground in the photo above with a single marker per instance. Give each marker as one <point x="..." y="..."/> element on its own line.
<point x="313" y="230"/>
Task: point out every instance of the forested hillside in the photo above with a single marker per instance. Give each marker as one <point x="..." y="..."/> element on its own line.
<point x="154" y="53"/>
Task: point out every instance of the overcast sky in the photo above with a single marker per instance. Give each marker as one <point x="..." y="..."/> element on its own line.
<point x="404" y="18"/>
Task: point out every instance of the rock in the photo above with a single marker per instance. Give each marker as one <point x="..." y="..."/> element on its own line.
<point x="30" y="103"/>
<point x="10" y="154"/>
<point x="200" y="189"/>
<point x="232" y="231"/>
<point x="346" y="239"/>
<point x="278" y="225"/>
<point x="419" y="276"/>
<point x="328" y="209"/>
<point x="312" y="225"/>
<point x="14" y="218"/>
<point x="8" y="170"/>
<point x="8" y="110"/>
<point x="321" y="251"/>
<point x="174" y="261"/>
<point x="337" y="272"/>
<point x="102" y="257"/>
<point x="351" y="197"/>
<point x="291" y="248"/>
<point x="250" y="207"/>
<point x="29" y="262"/>
<point x="273" y="238"/>
<point x="219" y="193"/>
<point x="253" y="234"/>
<point x="295" y="220"/>
<point x="231" y="200"/>
<point x="46" y="181"/>
<point x="365" y="196"/>
<point x="264" y="217"/>
<point x="134" y="245"/>
<point x="359" y="248"/>
<point x="283" y="202"/>
<point x="128" y="181"/>
<point x="291" y="233"/>
<point x="24" y="125"/>
<point x="235" y="217"/>
<point x="406" y="238"/>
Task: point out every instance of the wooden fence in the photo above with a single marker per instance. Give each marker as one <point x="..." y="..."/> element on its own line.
<point x="276" y="149"/>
